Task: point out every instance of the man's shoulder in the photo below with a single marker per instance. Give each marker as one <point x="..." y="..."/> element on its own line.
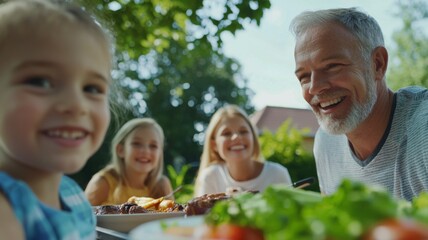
<point x="413" y="101"/>
<point x="413" y="93"/>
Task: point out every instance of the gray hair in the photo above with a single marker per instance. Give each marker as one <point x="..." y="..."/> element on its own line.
<point x="364" y="27"/>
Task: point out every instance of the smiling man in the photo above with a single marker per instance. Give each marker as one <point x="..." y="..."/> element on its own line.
<point x="368" y="132"/>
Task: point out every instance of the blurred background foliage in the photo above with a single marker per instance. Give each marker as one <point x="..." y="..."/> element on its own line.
<point x="409" y="58"/>
<point x="170" y="66"/>
<point x="285" y="146"/>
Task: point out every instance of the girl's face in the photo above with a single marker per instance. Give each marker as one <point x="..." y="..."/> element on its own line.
<point x="141" y="150"/>
<point x="233" y="139"/>
<point x="54" y="84"/>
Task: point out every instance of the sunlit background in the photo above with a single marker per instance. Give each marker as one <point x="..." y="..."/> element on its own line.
<point x="266" y="51"/>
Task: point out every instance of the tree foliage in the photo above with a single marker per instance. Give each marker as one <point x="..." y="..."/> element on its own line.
<point x="285" y="147"/>
<point x="144" y="25"/>
<point x="170" y="66"/>
<point x="410" y="65"/>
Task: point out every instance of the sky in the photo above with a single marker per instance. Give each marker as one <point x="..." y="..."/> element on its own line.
<point x="266" y="52"/>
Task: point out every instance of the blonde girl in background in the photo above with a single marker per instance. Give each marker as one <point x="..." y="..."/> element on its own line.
<point x="231" y="157"/>
<point x="136" y="166"/>
<point x="55" y="64"/>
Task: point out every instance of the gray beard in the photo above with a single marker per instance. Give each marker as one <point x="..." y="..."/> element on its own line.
<point x="358" y="113"/>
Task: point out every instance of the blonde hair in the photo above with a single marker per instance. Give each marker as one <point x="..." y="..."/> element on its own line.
<point x="44" y="13"/>
<point x="18" y="17"/>
<point x="118" y="164"/>
<point x="209" y="156"/>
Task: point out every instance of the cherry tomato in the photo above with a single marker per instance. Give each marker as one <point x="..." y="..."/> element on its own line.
<point x="397" y="229"/>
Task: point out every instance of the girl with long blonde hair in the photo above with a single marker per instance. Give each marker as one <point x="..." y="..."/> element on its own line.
<point x="136" y="165"/>
<point x="231" y="158"/>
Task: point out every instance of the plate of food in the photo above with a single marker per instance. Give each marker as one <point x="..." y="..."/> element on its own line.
<point x="135" y="211"/>
<point x="139" y="210"/>
<point x="191" y="226"/>
<point x="125" y="222"/>
<point x="183" y="228"/>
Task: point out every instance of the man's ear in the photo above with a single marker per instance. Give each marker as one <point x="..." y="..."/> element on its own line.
<point x="120" y="151"/>
<point x="380" y="60"/>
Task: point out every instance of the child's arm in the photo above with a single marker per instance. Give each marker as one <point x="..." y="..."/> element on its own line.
<point x="10" y="227"/>
<point x="97" y="191"/>
<point x="163" y="187"/>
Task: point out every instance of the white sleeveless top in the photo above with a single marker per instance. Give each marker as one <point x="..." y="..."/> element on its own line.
<point x="216" y="179"/>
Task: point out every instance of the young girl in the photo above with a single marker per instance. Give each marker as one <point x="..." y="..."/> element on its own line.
<point x="136" y="166"/>
<point x="231" y="157"/>
<point x="55" y="64"/>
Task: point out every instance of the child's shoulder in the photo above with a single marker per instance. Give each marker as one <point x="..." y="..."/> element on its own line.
<point x="14" y="189"/>
<point x="163" y="179"/>
<point x="10" y="226"/>
<point x="273" y="166"/>
<point x="108" y="171"/>
<point x="214" y="169"/>
<point x="216" y="165"/>
<point x="16" y="202"/>
<point x="105" y="178"/>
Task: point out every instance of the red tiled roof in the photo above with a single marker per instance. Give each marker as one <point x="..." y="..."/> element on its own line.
<point x="272" y="117"/>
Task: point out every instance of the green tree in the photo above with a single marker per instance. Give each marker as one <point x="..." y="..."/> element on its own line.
<point x="183" y="98"/>
<point x="410" y="58"/>
<point x="171" y="67"/>
<point x="285" y="147"/>
<point x="141" y="26"/>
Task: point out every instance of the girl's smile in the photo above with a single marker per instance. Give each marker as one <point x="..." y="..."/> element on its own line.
<point x="233" y="140"/>
<point x="67" y="136"/>
<point x="54" y="89"/>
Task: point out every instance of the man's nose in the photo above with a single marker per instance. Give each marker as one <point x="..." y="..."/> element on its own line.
<point x="319" y="83"/>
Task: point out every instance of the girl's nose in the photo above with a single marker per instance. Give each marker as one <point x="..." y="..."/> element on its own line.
<point x="235" y="135"/>
<point x="143" y="148"/>
<point x="71" y="101"/>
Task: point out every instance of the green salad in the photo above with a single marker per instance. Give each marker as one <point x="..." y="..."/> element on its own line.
<point x="282" y="212"/>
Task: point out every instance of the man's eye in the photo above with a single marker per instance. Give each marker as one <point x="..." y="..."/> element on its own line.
<point x="333" y="66"/>
<point x="304" y="78"/>
<point x="42" y="82"/>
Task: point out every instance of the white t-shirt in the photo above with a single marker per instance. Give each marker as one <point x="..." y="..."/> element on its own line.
<point x="400" y="161"/>
<point x="216" y="179"/>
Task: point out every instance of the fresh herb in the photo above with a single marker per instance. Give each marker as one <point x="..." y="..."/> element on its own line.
<point x="286" y="213"/>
